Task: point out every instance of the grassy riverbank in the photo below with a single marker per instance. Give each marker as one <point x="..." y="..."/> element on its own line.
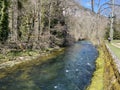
<point x="114" y="48"/>
<point x="23" y="55"/>
<point x="97" y="80"/>
<point x="106" y="76"/>
<point x="8" y="67"/>
<point x="111" y="72"/>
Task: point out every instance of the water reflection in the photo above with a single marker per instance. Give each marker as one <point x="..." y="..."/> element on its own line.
<point x="69" y="71"/>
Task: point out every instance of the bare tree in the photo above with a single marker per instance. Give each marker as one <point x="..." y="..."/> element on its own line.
<point x="92" y="5"/>
<point x="15" y="20"/>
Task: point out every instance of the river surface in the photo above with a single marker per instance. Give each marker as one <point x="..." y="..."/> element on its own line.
<point x="71" y="70"/>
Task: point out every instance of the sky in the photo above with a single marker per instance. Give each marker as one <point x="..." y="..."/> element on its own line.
<point x="87" y="3"/>
<point x="105" y="12"/>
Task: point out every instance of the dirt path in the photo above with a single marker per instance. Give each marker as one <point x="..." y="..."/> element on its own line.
<point x="116" y="45"/>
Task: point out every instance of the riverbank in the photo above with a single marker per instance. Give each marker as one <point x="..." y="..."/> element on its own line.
<point x="27" y="59"/>
<point x="112" y="71"/>
<point x="106" y="76"/>
<point x="97" y="80"/>
<point x="115" y="48"/>
<point x="68" y="71"/>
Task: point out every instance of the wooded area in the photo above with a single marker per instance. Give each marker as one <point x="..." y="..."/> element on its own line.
<point x="42" y="24"/>
<point x="59" y="44"/>
<point x="28" y="24"/>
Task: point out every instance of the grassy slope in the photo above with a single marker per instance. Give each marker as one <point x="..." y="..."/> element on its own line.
<point x="111" y="74"/>
<point x="97" y="80"/>
<point x="115" y="49"/>
<point x="104" y="76"/>
<point x="23" y="64"/>
<point x="116" y="41"/>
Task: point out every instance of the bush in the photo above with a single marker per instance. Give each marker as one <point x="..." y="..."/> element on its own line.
<point x="3" y="20"/>
<point x="116" y="34"/>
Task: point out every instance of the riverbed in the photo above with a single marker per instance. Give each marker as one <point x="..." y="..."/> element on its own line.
<point x="71" y="70"/>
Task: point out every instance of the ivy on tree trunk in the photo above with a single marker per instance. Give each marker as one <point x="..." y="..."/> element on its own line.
<point x="3" y="20"/>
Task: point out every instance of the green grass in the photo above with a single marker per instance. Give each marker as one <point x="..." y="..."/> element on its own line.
<point x="116" y="50"/>
<point x="116" y="41"/>
<point x="13" y="55"/>
<point x="97" y="80"/>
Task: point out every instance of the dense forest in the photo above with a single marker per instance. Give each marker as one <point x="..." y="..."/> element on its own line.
<point x="38" y="24"/>
<point x="32" y="24"/>
<point x="44" y="24"/>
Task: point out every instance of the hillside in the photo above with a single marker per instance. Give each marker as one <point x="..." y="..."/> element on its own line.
<point x="43" y="24"/>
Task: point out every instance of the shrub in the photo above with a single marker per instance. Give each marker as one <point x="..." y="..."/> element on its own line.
<point x="3" y="20"/>
<point x="116" y="34"/>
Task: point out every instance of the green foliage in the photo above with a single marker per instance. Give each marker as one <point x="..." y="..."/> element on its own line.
<point x="116" y="34"/>
<point x="55" y="13"/>
<point x="115" y="49"/>
<point x="20" y="5"/>
<point x="107" y="33"/>
<point x="3" y="20"/>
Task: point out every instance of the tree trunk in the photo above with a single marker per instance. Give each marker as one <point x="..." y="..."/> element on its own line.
<point x="49" y="15"/>
<point x="15" y="20"/>
<point x="39" y="18"/>
<point x="92" y="5"/>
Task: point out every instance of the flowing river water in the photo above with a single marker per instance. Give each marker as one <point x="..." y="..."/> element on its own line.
<point x="71" y="70"/>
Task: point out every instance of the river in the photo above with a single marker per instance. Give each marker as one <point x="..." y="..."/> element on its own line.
<point x="71" y="70"/>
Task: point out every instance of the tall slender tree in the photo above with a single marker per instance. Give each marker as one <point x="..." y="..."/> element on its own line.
<point x="92" y="5"/>
<point x="14" y="5"/>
